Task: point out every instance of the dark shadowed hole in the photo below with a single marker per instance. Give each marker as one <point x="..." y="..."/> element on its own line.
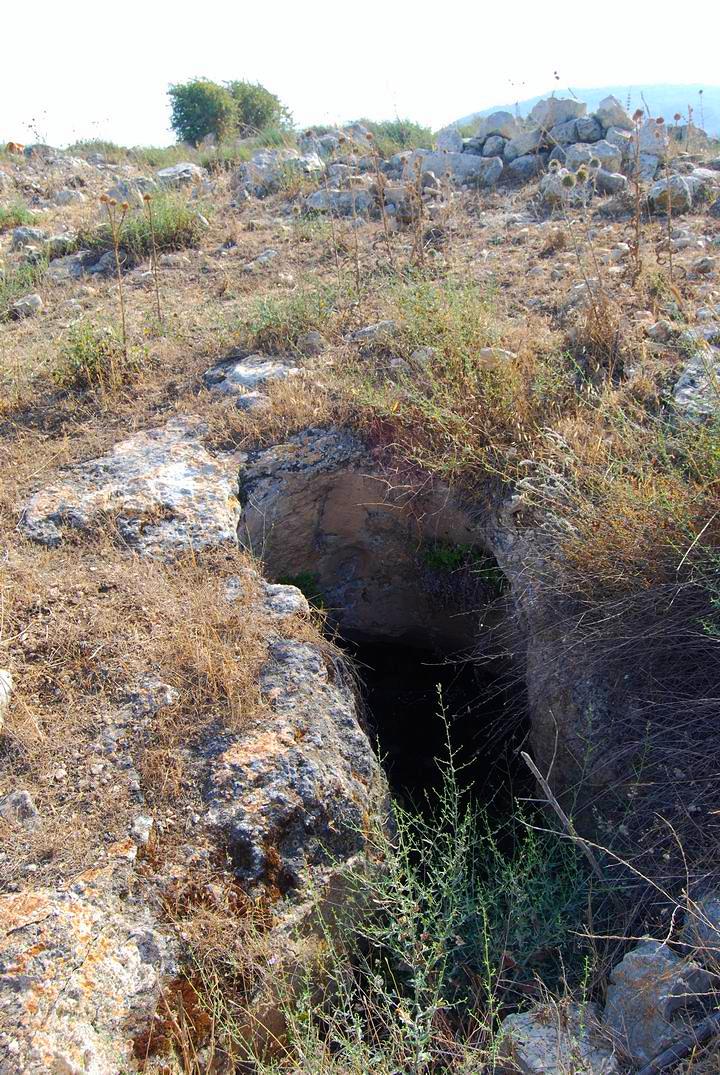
<point x="418" y="702"/>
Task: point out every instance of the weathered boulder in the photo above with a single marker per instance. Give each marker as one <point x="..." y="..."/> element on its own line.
<point x="653" y="139"/>
<point x="647" y="991"/>
<point x="621" y="139"/>
<point x="80" y="978"/>
<point x="184" y="174"/>
<point x="494" y="146"/>
<point x="695" y="396"/>
<point x="524" y="143"/>
<point x="526" y="167"/>
<point x="161" y="490"/>
<point x="266" y="171"/>
<point x="354" y="202"/>
<point x="449" y="139"/>
<point x="69" y="197"/>
<point x="463" y="167"/>
<point x="547" y="1041"/>
<point x="27" y="306"/>
<point x="609" y="156"/>
<point x="501" y="123"/>
<point x="589" y="129"/>
<point x="72" y="266"/>
<point x="19" y="808"/>
<point x="564" y="134"/>
<point x="554" y="110"/>
<point x="26" y="236"/>
<point x="294" y="790"/>
<point x="234" y="376"/>
<point x="612" y="114"/>
<point x="701" y="932"/>
<point x="674" y="193"/>
<point x="610" y="182"/>
<point x="132" y="190"/>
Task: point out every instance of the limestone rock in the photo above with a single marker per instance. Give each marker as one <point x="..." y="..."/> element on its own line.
<point x="610" y="182"/>
<point x="161" y="488"/>
<point x="612" y="114"/>
<point x="464" y="167"/>
<point x="526" y="167"/>
<point x="554" y="110"/>
<point x="695" y="396"/>
<point x="79" y="978"/>
<point x="555" y="1042"/>
<point x="619" y="138"/>
<point x="264" y="172"/>
<point x="341" y="202"/>
<point x="589" y="129"/>
<point x="181" y="175"/>
<point x="19" y="808"/>
<point x="27" y="306"/>
<point x="500" y="123"/>
<point x="449" y="139"/>
<point x="701" y="931"/>
<point x="609" y="156"/>
<point x="380" y="332"/>
<point x="564" y="134"/>
<point x="292" y="791"/>
<point x="132" y="190"/>
<point x="647" y="990"/>
<point x="235" y="375"/>
<point x="524" y="143"/>
<point x="494" y="146"/>
<point x="675" y="192"/>
<point x="72" y="266"/>
<point x="25" y="236"/>
<point x="69" y="197"/>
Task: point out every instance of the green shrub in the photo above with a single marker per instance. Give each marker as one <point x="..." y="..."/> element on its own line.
<point x="13" y="216"/>
<point x="277" y="323"/>
<point x="256" y="108"/>
<point x="199" y="108"/>
<point x="93" y="356"/>
<point x="18" y="281"/>
<point x="177" y="227"/>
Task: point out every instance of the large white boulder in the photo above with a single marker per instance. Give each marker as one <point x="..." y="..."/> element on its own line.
<point x="554" y="110"/>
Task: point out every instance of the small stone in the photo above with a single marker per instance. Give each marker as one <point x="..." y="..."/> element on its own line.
<point x="27" y="306"/>
<point x="141" y="828"/>
<point x="20" y="808"/>
<point x="705" y="265"/>
<point x="312" y="343"/>
<point x="660" y="331"/>
<point x="557" y="1042"/>
<point x="380" y="331"/>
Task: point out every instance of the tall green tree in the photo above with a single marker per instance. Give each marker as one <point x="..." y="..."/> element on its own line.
<point x="257" y="107"/>
<point x="201" y="107"/>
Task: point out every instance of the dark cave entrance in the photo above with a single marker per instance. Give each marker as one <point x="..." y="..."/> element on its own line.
<point x="420" y="702"/>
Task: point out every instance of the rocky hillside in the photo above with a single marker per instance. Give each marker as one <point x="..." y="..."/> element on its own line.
<point x="266" y="416"/>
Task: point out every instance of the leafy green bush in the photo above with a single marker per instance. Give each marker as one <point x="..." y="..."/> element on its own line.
<point x="93" y="356"/>
<point x="257" y="108"/>
<point x="199" y="108"/>
<point x="13" y="216"/>
<point x="177" y="226"/>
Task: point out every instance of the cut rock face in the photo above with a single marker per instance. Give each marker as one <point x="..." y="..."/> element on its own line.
<point x="78" y="980"/>
<point x="163" y="490"/>
<point x="295" y="789"/>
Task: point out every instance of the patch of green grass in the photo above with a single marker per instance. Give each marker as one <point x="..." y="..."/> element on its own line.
<point x="17" y="281"/>
<point x="92" y="356"/>
<point x="15" y="216"/>
<point x="177" y="226"/>
<point x="86" y="147"/>
<point x="394" y="135"/>
<point x="448" y="557"/>
<point x="276" y="323"/>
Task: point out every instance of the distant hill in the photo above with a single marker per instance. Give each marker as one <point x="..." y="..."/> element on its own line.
<point x="662" y="100"/>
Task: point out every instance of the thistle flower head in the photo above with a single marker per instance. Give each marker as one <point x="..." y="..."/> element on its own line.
<point x="146" y="198"/>
<point x="554" y="166"/>
<point x="581" y="175"/>
<point x="104" y="200"/>
<point x="677" y="117"/>
<point x="568" y="181"/>
<point x="638" y="115"/>
<point x="595" y="164"/>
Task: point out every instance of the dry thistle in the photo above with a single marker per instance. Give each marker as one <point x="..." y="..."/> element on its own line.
<point x="116" y="218"/>
<point x="155" y="265"/>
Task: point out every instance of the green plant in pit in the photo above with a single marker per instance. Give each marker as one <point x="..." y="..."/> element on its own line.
<point x="448" y="557"/>
<point x="93" y="356"/>
<point x="437" y="942"/>
<point x="308" y="584"/>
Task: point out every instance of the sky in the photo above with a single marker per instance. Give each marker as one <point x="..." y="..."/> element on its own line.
<point x="77" y="70"/>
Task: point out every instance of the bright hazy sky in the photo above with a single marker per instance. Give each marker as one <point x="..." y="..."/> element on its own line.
<point x="80" y="70"/>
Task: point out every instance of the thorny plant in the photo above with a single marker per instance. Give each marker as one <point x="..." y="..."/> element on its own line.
<point x="147" y="200"/>
<point x="116" y="217"/>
